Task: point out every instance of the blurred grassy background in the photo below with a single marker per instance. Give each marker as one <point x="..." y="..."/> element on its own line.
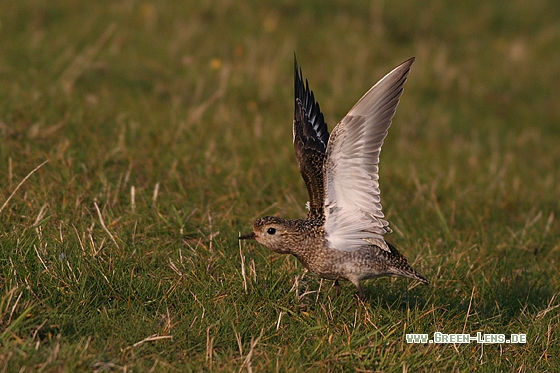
<point x="167" y="130"/>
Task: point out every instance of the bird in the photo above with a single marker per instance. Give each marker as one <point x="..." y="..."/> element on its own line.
<point x="342" y="237"/>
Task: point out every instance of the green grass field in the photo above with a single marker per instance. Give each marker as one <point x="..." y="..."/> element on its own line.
<point x="167" y="130"/>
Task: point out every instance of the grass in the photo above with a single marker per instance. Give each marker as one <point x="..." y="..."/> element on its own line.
<point x="167" y="127"/>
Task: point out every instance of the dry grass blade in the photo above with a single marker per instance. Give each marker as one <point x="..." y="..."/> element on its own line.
<point x="243" y="274"/>
<point x="102" y="222"/>
<point x="247" y="360"/>
<point x="152" y="338"/>
<point x="21" y="183"/>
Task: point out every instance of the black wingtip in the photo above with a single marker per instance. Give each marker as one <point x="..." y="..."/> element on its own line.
<point x="296" y="66"/>
<point x="315" y="128"/>
<point x="299" y="88"/>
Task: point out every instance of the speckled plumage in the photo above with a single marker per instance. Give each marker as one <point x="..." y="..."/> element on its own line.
<point x="342" y="236"/>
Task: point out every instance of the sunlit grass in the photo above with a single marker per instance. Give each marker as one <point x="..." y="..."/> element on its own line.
<point x="167" y="131"/>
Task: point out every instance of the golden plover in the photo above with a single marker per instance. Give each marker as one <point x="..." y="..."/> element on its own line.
<point x="342" y="236"/>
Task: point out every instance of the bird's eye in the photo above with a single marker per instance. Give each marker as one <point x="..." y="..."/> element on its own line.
<point x="271" y="230"/>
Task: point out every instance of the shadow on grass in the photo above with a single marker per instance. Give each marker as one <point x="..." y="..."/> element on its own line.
<point x="395" y="294"/>
<point x="506" y="298"/>
<point x="502" y="299"/>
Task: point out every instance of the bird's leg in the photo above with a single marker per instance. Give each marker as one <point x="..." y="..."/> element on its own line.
<point x="337" y="287"/>
<point x="361" y="293"/>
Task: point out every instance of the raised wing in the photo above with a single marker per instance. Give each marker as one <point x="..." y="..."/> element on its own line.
<point x="353" y="215"/>
<point x="310" y="142"/>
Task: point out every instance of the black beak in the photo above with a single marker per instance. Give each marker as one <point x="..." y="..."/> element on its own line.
<point x="248" y="236"/>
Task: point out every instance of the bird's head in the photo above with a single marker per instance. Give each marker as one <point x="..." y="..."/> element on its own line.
<point x="275" y="233"/>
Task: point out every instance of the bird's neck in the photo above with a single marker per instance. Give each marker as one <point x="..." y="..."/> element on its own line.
<point x="309" y="235"/>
